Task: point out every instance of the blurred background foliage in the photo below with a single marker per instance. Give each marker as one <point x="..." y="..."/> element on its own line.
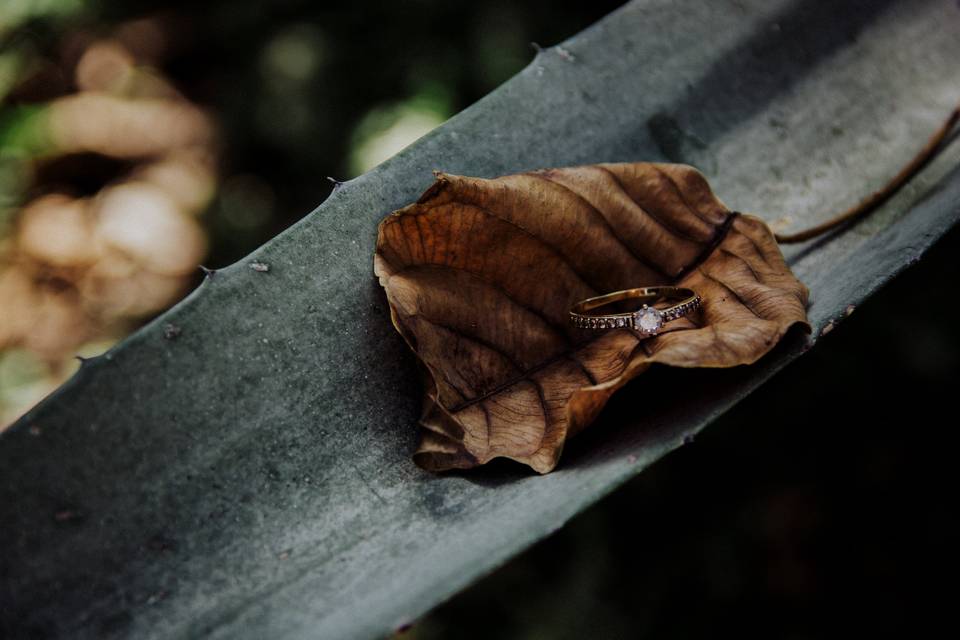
<point x="140" y="138"/>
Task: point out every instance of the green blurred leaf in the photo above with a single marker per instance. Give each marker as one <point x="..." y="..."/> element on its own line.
<point x="25" y="131"/>
<point x="385" y="131"/>
<point x="13" y="13"/>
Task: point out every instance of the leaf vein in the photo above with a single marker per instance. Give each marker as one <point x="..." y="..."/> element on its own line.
<point x="669" y="228"/>
<point x="606" y="223"/>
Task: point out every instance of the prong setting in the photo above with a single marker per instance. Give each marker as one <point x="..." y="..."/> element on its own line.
<point x="648" y="320"/>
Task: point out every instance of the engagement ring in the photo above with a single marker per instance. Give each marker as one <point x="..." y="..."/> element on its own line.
<point x="647" y="319"/>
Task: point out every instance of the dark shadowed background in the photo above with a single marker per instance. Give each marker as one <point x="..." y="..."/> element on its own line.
<point x="138" y="139"/>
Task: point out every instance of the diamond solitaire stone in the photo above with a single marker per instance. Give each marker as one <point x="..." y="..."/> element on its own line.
<point x="648" y="320"/>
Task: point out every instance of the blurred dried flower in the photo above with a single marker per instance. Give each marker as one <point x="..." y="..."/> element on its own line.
<point x="81" y="271"/>
<point x="56" y="230"/>
<point x="124" y="128"/>
<point x="104" y="66"/>
<point x="142" y="221"/>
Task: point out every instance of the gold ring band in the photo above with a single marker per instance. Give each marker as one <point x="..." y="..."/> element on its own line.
<point x="647" y="319"/>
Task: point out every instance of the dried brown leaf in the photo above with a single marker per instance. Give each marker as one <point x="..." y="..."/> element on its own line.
<point x="480" y="275"/>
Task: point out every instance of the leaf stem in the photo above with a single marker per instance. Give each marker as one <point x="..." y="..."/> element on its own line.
<point x="877" y="198"/>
